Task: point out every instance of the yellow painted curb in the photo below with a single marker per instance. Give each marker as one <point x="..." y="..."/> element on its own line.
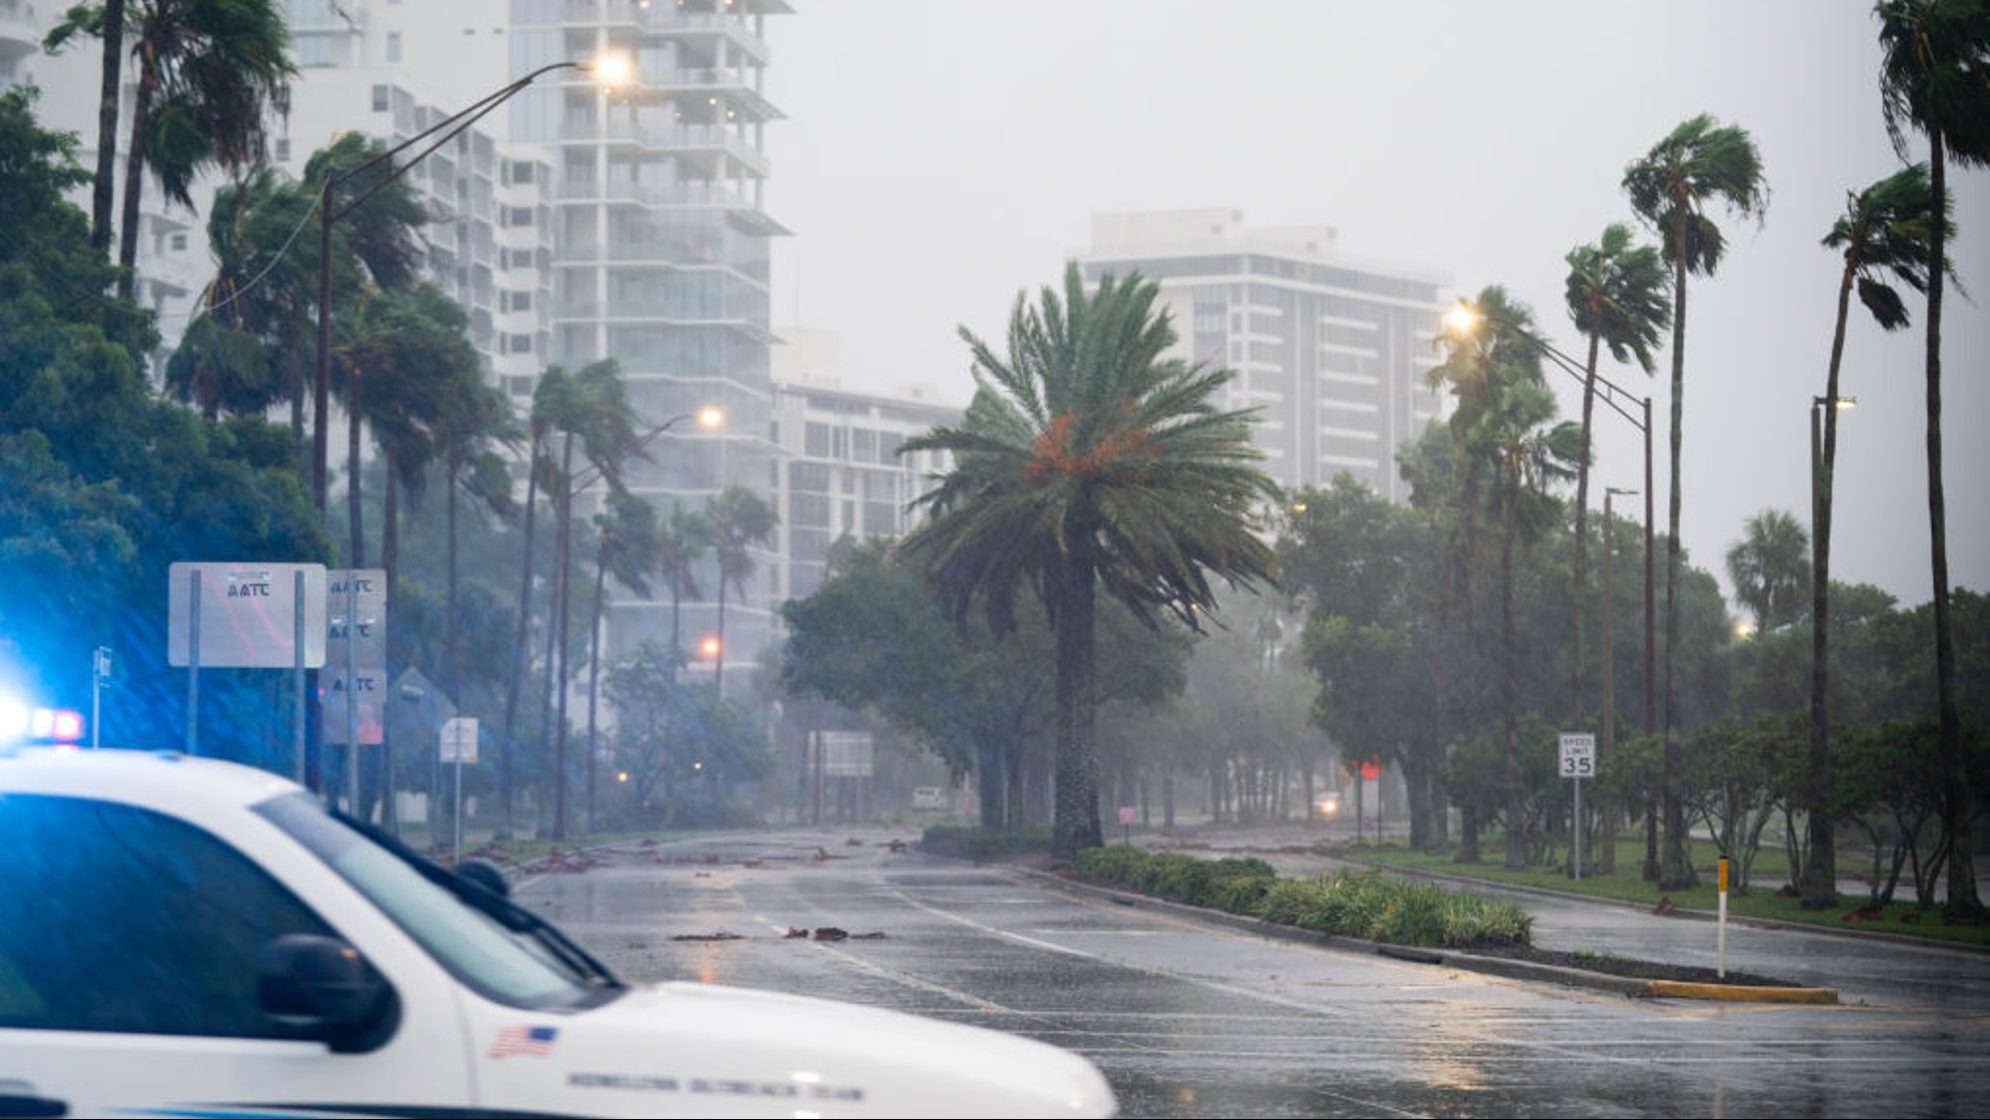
<point x="1676" y="989"/>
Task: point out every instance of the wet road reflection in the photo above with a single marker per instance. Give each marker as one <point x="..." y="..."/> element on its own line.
<point x="1190" y="1019"/>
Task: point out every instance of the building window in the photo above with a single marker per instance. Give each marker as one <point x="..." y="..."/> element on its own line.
<point x="379" y="99"/>
<point x="393" y="46"/>
<point x="520" y="216"/>
<point x="283" y="149"/>
<point x="179" y="243"/>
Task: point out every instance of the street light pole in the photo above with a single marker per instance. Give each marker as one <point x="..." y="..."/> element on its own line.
<point x="1820" y="870"/>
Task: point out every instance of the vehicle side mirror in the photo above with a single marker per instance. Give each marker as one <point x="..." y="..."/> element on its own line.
<point x="322" y="988"/>
<point x="484" y="875"/>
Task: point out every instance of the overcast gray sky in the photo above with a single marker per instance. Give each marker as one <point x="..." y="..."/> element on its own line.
<point x="940" y="155"/>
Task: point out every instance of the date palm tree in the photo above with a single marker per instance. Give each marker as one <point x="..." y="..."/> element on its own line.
<point x="1698" y="164"/>
<point x="1885" y="230"/>
<point x="1935" y="79"/>
<point x="1616" y="298"/>
<point x="207" y="72"/>
<point x="1090" y="461"/>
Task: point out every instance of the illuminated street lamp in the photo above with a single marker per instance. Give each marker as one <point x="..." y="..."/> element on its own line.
<point x="1820" y="872"/>
<point x="1463" y="319"/>
<point x="608" y="70"/>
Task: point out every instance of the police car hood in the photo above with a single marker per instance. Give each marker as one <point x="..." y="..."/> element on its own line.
<point x="734" y="1051"/>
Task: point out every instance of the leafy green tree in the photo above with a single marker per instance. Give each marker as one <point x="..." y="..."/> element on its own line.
<point x="103" y="484"/>
<point x="1698" y="164"/>
<point x="207" y="72"/>
<point x="1086" y="460"/>
<point x="1935" y="79"/>
<point x="1885" y="229"/>
<point x="1616" y="298"/>
<point x="683" y="747"/>
<point x="1770" y="567"/>
<point x="741" y="521"/>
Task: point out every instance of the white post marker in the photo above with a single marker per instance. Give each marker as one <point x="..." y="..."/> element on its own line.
<point x="1578" y="762"/>
<point x="1720" y="938"/>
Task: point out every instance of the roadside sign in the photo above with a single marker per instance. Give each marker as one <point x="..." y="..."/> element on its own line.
<point x="847" y="754"/>
<point x="459" y="740"/>
<point x="368" y="688"/>
<point x="247" y="617"/>
<point x="356" y="612"/>
<point x="1578" y="755"/>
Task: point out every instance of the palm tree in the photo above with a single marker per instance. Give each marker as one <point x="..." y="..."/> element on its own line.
<point x="208" y="71"/>
<point x="740" y="519"/>
<point x="469" y="431"/>
<point x="1698" y="163"/>
<point x="630" y="539"/>
<point x="547" y="402"/>
<point x="1503" y="405"/>
<point x="595" y="411"/>
<point x="1770" y="567"/>
<point x="262" y="294"/>
<point x="1616" y="297"/>
<point x="684" y="542"/>
<point x="1090" y="461"/>
<point x="1935" y="79"/>
<point x="1885" y="229"/>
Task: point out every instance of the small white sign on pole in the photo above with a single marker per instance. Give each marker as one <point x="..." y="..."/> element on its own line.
<point x="1578" y="755"/>
<point x="459" y="739"/>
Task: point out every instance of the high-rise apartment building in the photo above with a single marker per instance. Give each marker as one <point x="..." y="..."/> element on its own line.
<point x="841" y="476"/>
<point x="1332" y="350"/>
<point x="661" y="251"/>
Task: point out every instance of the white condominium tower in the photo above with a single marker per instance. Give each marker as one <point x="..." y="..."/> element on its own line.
<point x="1332" y="350"/>
<point x="661" y="250"/>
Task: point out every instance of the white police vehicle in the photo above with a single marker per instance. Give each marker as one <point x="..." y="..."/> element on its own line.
<point x="188" y="937"/>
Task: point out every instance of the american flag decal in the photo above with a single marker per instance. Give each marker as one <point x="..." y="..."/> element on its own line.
<point x="534" y="1042"/>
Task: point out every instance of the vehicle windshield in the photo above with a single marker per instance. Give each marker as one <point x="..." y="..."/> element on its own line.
<point x="523" y="962"/>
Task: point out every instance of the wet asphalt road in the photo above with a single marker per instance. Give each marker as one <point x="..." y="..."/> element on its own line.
<point x="1190" y="1018"/>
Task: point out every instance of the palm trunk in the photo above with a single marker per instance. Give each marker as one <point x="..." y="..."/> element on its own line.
<point x="1075" y="825"/>
<point x="1955" y="789"/>
<point x="390" y="559"/>
<point x="1819" y="881"/>
<point x="1582" y="530"/>
<point x="556" y="674"/>
<point x="594" y="672"/>
<point x="1675" y="872"/>
<point x="449" y="670"/>
<point x="519" y="658"/>
<point x="102" y="191"/>
<point x="1509" y="687"/>
<point x="134" y="178"/>
<point x="352" y="493"/>
<point x="719" y="661"/>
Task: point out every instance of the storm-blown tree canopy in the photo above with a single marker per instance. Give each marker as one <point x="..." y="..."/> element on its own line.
<point x="102" y="483"/>
<point x="1089" y="460"/>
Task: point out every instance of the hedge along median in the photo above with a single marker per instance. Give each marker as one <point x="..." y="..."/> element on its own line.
<point x="1360" y="904"/>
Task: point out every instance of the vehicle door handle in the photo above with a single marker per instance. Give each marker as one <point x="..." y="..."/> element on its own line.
<point x="21" y="1104"/>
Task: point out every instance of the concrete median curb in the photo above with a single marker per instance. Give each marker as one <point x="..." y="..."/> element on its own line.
<point x="1627" y="986"/>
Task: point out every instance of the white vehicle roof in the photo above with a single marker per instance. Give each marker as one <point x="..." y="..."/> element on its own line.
<point x="166" y="780"/>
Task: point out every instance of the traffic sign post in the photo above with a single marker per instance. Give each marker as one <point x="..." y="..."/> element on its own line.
<point x="459" y="745"/>
<point x="1578" y="762"/>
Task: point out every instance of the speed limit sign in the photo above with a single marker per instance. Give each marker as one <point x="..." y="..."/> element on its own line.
<point x="1578" y="755"/>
